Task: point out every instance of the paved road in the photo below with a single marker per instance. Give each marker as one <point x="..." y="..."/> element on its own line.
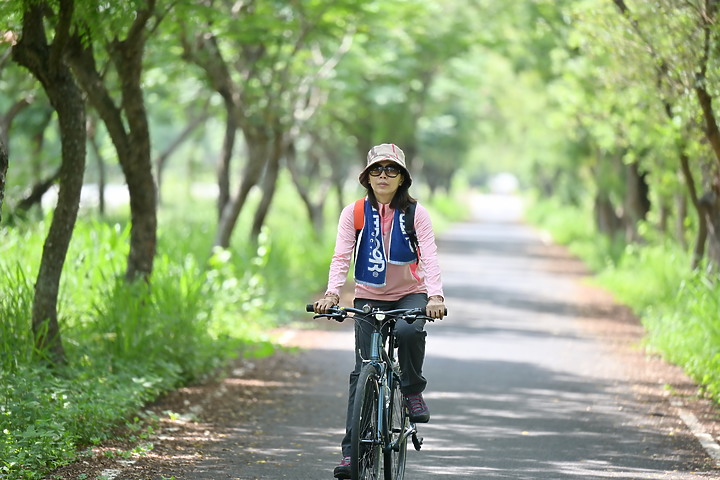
<point x="519" y="389"/>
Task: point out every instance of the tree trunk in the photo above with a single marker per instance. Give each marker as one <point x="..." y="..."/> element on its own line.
<point x="272" y="171"/>
<point x="314" y="208"/>
<point x="100" y="163"/>
<point x="47" y="65"/>
<point x="712" y="132"/>
<point x="606" y="219"/>
<point x="701" y="237"/>
<point x="664" y="216"/>
<point x="132" y="144"/>
<point x="711" y="206"/>
<point x="3" y="172"/>
<point x="228" y="146"/>
<point x="681" y="215"/>
<point x="257" y="155"/>
<point x="137" y="166"/>
<point x="203" y="50"/>
<point x="637" y="203"/>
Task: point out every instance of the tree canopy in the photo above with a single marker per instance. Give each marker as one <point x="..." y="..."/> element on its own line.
<point x="143" y="144"/>
<point x="606" y="104"/>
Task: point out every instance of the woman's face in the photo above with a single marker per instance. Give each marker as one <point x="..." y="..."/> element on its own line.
<point x="385" y="177"/>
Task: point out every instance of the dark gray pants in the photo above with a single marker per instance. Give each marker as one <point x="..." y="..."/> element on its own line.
<point x="411" y="352"/>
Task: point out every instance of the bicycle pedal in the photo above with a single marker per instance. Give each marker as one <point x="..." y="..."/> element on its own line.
<point x="417" y="442"/>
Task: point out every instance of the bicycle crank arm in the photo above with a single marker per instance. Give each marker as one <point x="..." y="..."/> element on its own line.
<point x="411" y="430"/>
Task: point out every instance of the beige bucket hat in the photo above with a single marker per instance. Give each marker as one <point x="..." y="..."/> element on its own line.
<point x="385" y="151"/>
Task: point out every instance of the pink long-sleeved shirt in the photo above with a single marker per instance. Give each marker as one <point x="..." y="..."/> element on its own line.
<point x="400" y="280"/>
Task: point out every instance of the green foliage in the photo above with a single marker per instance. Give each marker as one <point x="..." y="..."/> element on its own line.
<point x="16" y="295"/>
<point x="127" y="343"/>
<point x="648" y="276"/>
<point x="572" y="226"/>
<point x="678" y="307"/>
<point x="44" y="417"/>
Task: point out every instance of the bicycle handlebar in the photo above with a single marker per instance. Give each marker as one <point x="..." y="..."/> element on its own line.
<point x="341" y="313"/>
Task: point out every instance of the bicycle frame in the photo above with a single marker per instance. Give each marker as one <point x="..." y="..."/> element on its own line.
<point x="393" y="427"/>
<point x="376" y="344"/>
<point x="387" y="433"/>
<point x="385" y="368"/>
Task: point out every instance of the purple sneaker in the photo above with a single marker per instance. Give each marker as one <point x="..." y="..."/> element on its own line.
<point x="419" y="412"/>
<point x="342" y="471"/>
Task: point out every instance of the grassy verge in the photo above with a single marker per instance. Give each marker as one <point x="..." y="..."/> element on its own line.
<point x="127" y="344"/>
<point x="678" y="307"/>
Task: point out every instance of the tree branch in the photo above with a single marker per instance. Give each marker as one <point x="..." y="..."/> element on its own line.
<point x="704" y="98"/>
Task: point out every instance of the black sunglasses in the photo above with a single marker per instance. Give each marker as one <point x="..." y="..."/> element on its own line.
<point x="390" y="170"/>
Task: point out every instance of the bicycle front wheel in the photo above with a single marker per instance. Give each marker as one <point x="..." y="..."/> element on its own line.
<point x="397" y="423"/>
<point x="365" y="437"/>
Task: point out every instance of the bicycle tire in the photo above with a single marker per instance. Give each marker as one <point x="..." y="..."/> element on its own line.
<point x="365" y="445"/>
<point x="397" y="422"/>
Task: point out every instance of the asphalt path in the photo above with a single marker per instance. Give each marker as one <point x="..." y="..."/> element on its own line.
<point x="518" y="387"/>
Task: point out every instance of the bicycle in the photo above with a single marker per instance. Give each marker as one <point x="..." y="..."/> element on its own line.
<point x="381" y="422"/>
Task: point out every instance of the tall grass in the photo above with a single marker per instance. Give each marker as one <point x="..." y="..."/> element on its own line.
<point x="125" y="343"/>
<point x="677" y="306"/>
<point x="15" y="305"/>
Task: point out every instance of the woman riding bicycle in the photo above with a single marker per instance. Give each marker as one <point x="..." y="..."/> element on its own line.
<point x="390" y="272"/>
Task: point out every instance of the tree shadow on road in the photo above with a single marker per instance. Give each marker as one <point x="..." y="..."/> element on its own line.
<point x="505" y="419"/>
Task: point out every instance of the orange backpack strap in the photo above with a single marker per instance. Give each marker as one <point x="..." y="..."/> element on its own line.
<point x="359" y="215"/>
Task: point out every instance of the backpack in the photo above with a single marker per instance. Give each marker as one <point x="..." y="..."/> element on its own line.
<point x="359" y="217"/>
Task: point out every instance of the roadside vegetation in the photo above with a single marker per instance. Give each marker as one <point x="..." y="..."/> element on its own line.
<point x="128" y="343"/>
<point x="677" y="306"/>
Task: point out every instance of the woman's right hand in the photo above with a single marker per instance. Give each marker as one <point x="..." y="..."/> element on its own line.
<point x="323" y="305"/>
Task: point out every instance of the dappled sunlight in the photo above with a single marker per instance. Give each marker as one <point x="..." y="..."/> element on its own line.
<point x="251" y="382"/>
<point x="598" y="469"/>
<point x="473" y="472"/>
<point x="530" y="422"/>
<point x="341" y="340"/>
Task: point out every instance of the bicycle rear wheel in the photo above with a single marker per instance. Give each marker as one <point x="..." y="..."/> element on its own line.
<point x="397" y="422"/>
<point x="365" y="438"/>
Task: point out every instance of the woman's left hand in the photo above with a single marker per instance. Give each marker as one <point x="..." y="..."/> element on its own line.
<point x="435" y="307"/>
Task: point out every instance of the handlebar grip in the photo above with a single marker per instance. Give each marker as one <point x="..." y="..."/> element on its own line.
<point x="309" y="307"/>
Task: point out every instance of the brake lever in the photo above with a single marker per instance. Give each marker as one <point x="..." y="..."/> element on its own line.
<point x="336" y="317"/>
<point x="411" y="318"/>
